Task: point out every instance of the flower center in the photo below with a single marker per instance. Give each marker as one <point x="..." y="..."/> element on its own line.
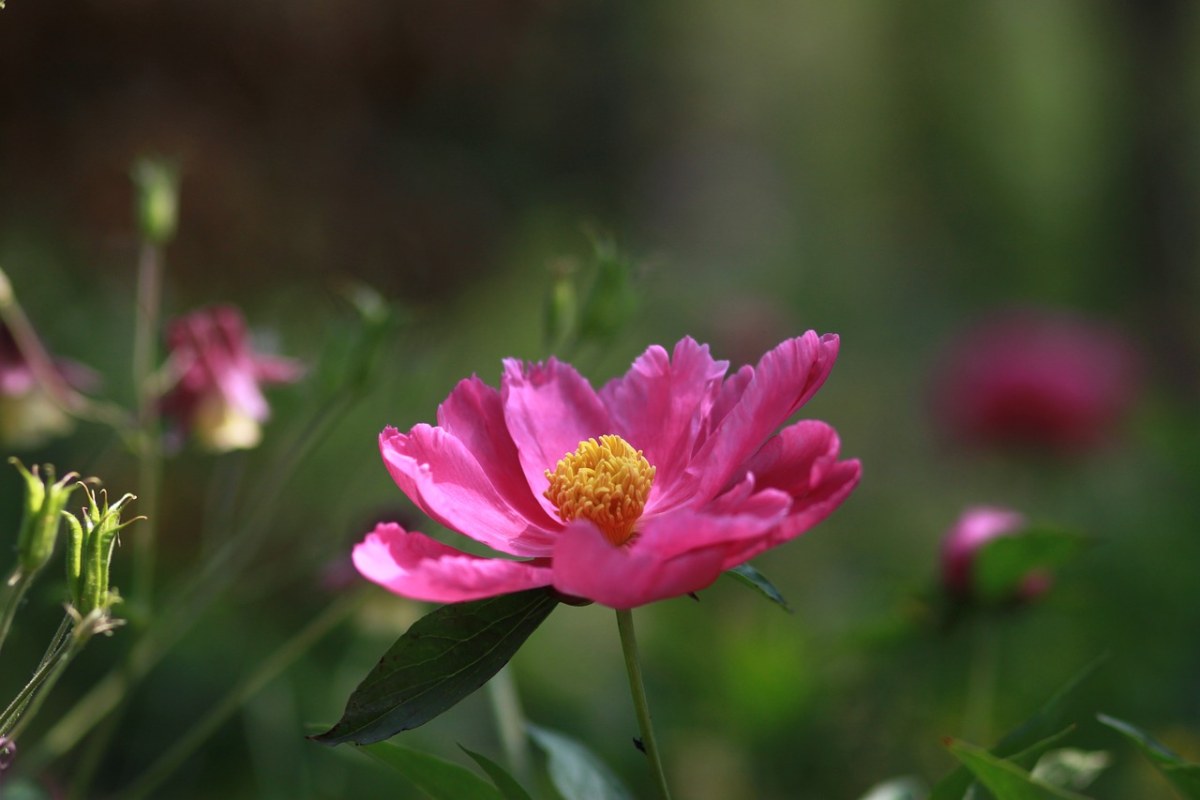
<point x="606" y="481"/>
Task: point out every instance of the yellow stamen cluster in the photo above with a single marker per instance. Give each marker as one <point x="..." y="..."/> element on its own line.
<point x="605" y="481"/>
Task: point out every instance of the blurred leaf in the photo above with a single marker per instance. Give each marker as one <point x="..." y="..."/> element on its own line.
<point x="749" y="576"/>
<point x="1071" y="768"/>
<point x="445" y="656"/>
<point x="611" y="299"/>
<point x="1184" y="775"/>
<point x="1004" y="779"/>
<point x="437" y="777"/>
<point x="1003" y="564"/>
<point x="577" y="774"/>
<point x="1035" y="735"/>
<point x="507" y="784"/>
<point x="896" y="789"/>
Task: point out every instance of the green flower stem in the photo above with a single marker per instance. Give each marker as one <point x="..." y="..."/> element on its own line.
<point x="13" y="591"/>
<point x="51" y="665"/>
<point x="510" y="721"/>
<point x="638" y="689"/>
<point x="981" y="682"/>
<point x="149" y="449"/>
<point x="267" y="670"/>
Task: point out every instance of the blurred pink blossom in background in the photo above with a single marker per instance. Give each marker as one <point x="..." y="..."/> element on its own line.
<point x="217" y="396"/>
<point x="976" y="527"/>
<point x="29" y="413"/>
<point x="1036" y="379"/>
<point x="666" y="477"/>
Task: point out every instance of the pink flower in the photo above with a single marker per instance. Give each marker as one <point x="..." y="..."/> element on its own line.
<point x="1039" y="379"/>
<point x="29" y="413"/>
<point x="647" y="489"/>
<point x="976" y="527"/>
<point x="217" y="395"/>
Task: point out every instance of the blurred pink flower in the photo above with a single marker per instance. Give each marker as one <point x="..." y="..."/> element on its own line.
<point x="976" y="527"/>
<point x="217" y="395"/>
<point x="645" y="490"/>
<point x="29" y="413"/>
<point x="1036" y="378"/>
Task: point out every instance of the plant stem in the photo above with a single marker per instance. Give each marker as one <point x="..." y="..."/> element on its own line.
<point x="267" y="670"/>
<point x="981" y="682"/>
<point x="13" y="590"/>
<point x="638" y="689"/>
<point x="57" y="653"/>
<point x="149" y="450"/>
<point x="510" y="721"/>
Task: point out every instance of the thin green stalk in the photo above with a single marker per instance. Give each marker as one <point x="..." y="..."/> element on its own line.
<point x="638" y="689"/>
<point x="14" y="591"/>
<point x="55" y="671"/>
<point x="981" y="682"/>
<point x="60" y="645"/>
<point x="510" y="721"/>
<point x="267" y="670"/>
<point x="149" y="450"/>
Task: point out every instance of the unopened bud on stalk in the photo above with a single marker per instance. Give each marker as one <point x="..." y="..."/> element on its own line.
<point x="157" y="202"/>
<point x="91" y="547"/>
<point x="44" y="503"/>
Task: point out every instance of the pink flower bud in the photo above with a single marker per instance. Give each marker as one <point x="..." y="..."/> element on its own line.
<point x="976" y="527"/>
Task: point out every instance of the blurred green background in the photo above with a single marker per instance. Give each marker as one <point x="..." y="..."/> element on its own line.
<point x="886" y="171"/>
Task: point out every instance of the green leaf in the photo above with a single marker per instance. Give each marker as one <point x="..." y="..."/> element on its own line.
<point x="1005" y="562"/>
<point x="749" y="576"/>
<point x="1071" y="768"/>
<point x="1004" y="779"/>
<point x="1041" y="729"/>
<point x="437" y="777"/>
<point x="576" y="773"/>
<point x="445" y="656"/>
<point x="507" y="784"/>
<point x="1184" y="775"/>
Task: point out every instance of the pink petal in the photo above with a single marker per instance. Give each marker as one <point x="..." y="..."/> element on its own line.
<point x="277" y="369"/>
<point x="413" y="565"/>
<point x="797" y="459"/>
<point x="836" y="484"/>
<point x="441" y="476"/>
<point x="660" y="405"/>
<point x="549" y="409"/>
<point x="784" y="380"/>
<point x="474" y="415"/>
<point x="672" y="555"/>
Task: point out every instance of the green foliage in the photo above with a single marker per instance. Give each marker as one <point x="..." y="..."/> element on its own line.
<point x="1184" y="775"/>
<point x="437" y="777"/>
<point x="1003" y="564"/>
<point x="1025" y="743"/>
<point x="576" y="772"/>
<point x="441" y="659"/>
<point x="751" y="577"/>
<point x="1004" y="779"/>
<point x="507" y="784"/>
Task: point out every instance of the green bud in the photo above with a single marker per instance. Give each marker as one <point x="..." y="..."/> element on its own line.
<point x="93" y="535"/>
<point x="562" y="303"/>
<point x="44" y="502"/>
<point x="157" y="202"/>
<point x="612" y="298"/>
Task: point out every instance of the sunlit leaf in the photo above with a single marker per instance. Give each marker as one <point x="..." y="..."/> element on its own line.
<point x="1071" y="768"/>
<point x="437" y="777"/>
<point x="896" y="789"/>
<point x="1004" y="779"/>
<point x="507" y="784"/>
<point x="442" y="658"/>
<point x="1184" y="775"/>
<point x="577" y="774"/>
<point x="749" y="576"/>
